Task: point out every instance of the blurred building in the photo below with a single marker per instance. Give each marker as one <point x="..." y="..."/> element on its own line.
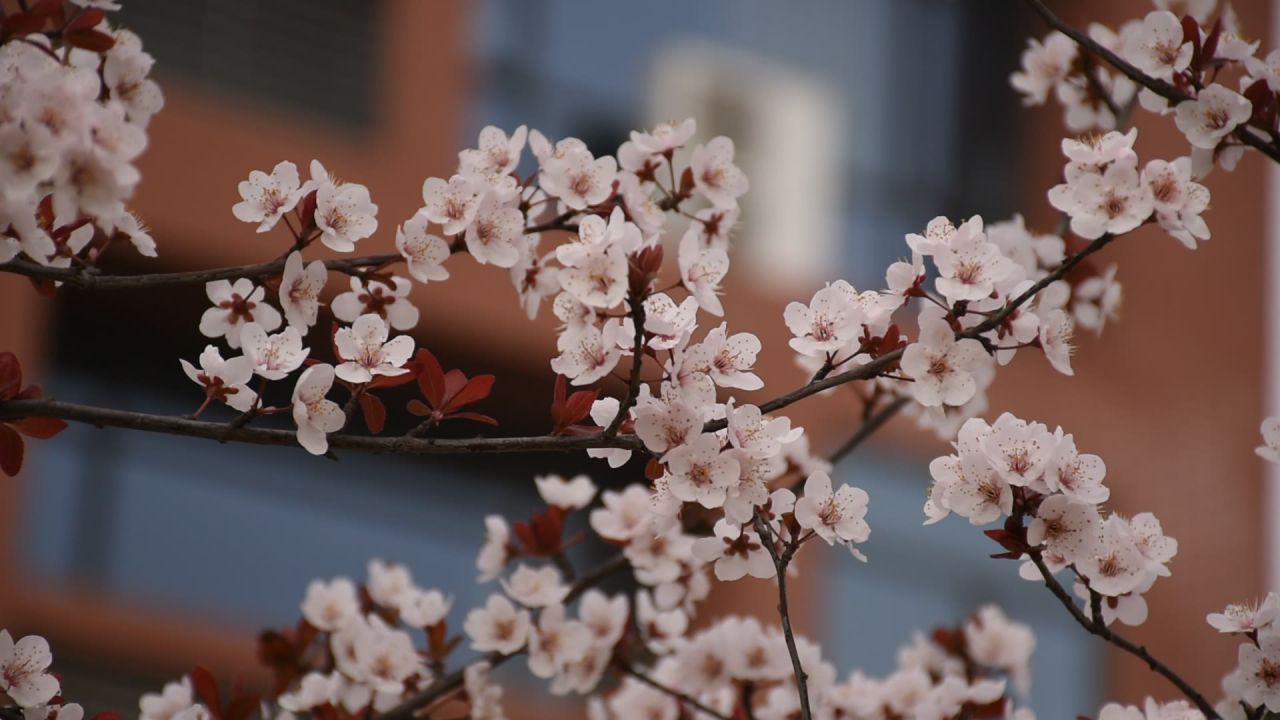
<point x="856" y="121"/>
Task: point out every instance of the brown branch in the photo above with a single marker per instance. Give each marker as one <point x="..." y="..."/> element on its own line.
<point x="780" y="563"/>
<point x="104" y="417"/>
<point x="1155" y="85"/>
<point x="1095" y="626"/>
<point x="451" y="682"/>
<point x="637" y="360"/>
<point x="90" y="279"/>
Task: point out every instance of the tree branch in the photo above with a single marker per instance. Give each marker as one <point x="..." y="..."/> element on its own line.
<point x="1097" y="627"/>
<point x="1155" y="85"/>
<point x="637" y="359"/>
<point x="454" y="680"/>
<point x="104" y="417"/>
<point x="780" y="562"/>
<point x="92" y="280"/>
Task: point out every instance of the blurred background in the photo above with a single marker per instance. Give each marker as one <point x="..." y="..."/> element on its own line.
<point x="857" y="122"/>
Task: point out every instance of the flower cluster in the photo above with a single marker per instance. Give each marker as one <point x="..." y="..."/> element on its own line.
<point x="1021" y="471"/>
<point x="1196" y="56"/>
<point x="1255" y="682"/>
<point x="1105" y="193"/>
<point x="73" y="118"/>
<point x="25" y="679"/>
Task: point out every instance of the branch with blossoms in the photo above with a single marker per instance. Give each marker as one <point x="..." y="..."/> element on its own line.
<point x="734" y="490"/>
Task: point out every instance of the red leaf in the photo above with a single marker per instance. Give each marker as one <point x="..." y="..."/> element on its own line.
<point x="1191" y="34"/>
<point x="419" y="408"/>
<point x="579" y="405"/>
<point x="525" y="534"/>
<point x="454" y="381"/>
<point x="375" y="414"/>
<point x="10" y="376"/>
<point x="476" y="389"/>
<point x="241" y="707"/>
<point x="39" y="427"/>
<point x="473" y="416"/>
<point x="206" y="688"/>
<point x="430" y="377"/>
<point x="11" y="450"/>
<point x="106" y="715"/>
<point x="87" y="20"/>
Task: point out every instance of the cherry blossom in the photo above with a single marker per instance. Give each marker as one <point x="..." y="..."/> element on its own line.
<point x="1157" y="46"/>
<point x="1178" y="201"/>
<point x="1065" y="527"/>
<point x="498" y="625"/>
<point x="1113" y="564"/>
<point x="1115" y="201"/>
<point x="942" y="366"/>
<point x="969" y="265"/>
<point x="314" y="689"/>
<point x="495" y="552"/>
<point x="994" y="641"/>
<point x="493" y="235"/>
<point x="24" y="666"/>
<point x="176" y="701"/>
<point x="578" y="179"/>
<point x="1044" y="64"/>
<point x="391" y="303"/>
<point x="573" y="494"/>
<point x="556" y="642"/>
<point x="829" y="322"/>
<point x="498" y="153"/>
<point x="665" y="137"/>
<point x="1077" y="476"/>
<point x="1056" y="332"/>
<point x="485" y="697"/>
<point x="1259" y="669"/>
<point x="533" y="276"/>
<point x="423" y="252"/>
<point x="1018" y="450"/>
<point x="266" y="198"/>
<point x="1243" y="618"/>
<point x="273" y="356"/>
<point x="233" y="306"/>
<point x="735" y="552"/>
<point x="727" y="359"/>
<point x="714" y="174"/>
<point x="605" y="617"/>
<point x="328" y="606"/>
<point x="968" y="486"/>
<point x="300" y="289"/>
<point x="1213" y="115"/>
<point x="539" y="587"/>
<point x="452" y="204"/>
<point x="223" y="380"/>
<point x="699" y="472"/>
<point x="589" y="353"/>
<point x="625" y="513"/>
<point x="315" y="415"/>
<point x="345" y="215"/>
<point x="1270" y="449"/>
<point x="367" y="352"/>
<point x="835" y="517"/>
<point x="701" y="272"/>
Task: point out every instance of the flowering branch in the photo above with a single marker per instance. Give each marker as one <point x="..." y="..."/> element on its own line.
<point x="780" y="562"/>
<point x="1096" y="626"/>
<point x="1155" y="85"/>
<point x="453" y="680"/>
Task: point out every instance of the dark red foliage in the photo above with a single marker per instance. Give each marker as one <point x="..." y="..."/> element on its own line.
<point x="446" y="393"/>
<point x="12" y="449"/>
<point x="567" y="412"/>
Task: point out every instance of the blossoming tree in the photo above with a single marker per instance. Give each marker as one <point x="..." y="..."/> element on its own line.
<point x="588" y="236"/>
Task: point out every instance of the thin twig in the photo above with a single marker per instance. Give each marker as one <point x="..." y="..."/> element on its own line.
<point x="91" y="280"/>
<point x="780" y="563"/>
<point x="672" y="692"/>
<point x="637" y="360"/>
<point x="105" y="417"/>
<point x="1100" y="629"/>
